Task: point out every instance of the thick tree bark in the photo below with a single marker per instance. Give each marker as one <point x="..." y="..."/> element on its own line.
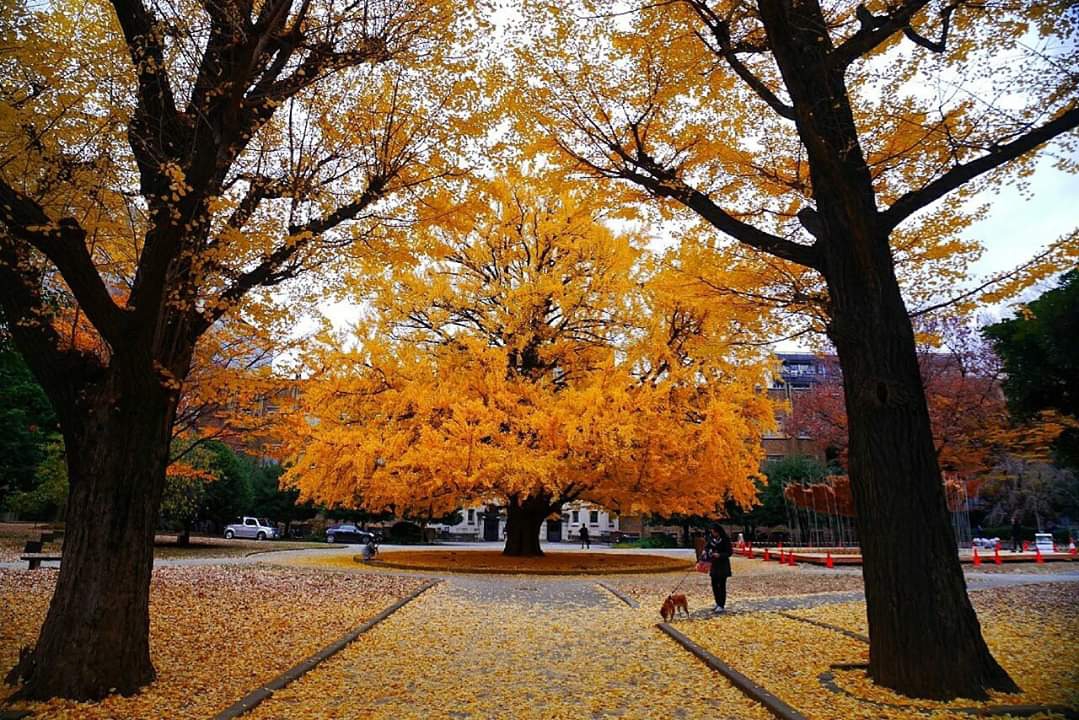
<point x="95" y="639"/>
<point x="925" y="640"/>
<point x="524" y="519"/>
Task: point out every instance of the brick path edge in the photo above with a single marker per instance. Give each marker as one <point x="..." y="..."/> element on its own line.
<point x="259" y="695"/>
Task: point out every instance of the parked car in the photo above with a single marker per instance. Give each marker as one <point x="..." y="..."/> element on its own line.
<point x="251" y="527"/>
<point x="348" y="534"/>
<point x="986" y="543"/>
<point x="1043" y="542"/>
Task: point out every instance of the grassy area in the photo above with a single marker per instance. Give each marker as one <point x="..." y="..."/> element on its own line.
<point x="165" y="547"/>
<point x="13" y="537"/>
<point x="482" y="561"/>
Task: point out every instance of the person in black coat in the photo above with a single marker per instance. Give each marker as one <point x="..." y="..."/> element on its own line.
<point x="585" y="541"/>
<point x="1017" y="532"/>
<point x="718" y="551"/>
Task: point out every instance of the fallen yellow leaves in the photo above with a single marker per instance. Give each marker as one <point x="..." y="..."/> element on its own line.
<point x="511" y="648"/>
<point x="553" y="563"/>
<point x="215" y="632"/>
<point x="751" y="579"/>
<point x="165" y="547"/>
<point x="1027" y="629"/>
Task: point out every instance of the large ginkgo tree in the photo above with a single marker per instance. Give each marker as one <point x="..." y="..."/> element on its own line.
<point x="534" y="356"/>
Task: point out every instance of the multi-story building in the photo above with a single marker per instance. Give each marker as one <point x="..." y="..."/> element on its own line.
<point x="798" y="374"/>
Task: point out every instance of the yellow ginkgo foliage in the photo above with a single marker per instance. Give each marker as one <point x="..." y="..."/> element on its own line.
<point x="535" y="355"/>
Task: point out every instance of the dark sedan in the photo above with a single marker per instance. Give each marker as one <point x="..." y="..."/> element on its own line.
<point x="347" y="534"/>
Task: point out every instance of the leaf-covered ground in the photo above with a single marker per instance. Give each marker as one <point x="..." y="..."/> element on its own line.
<point x="165" y="547"/>
<point x="750" y="579"/>
<point x="1030" y="630"/>
<point x="512" y="648"/>
<point x="13" y="537"/>
<point x="216" y="632"/>
<point x="527" y="647"/>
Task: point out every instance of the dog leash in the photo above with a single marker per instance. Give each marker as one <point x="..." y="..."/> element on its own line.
<point x="672" y="592"/>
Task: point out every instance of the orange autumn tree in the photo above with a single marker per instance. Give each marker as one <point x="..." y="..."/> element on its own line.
<point x="961" y="376"/>
<point x="533" y="357"/>
<point x="164" y="165"/>
<point x="823" y="137"/>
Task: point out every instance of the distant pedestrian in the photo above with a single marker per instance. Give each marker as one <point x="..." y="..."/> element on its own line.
<point x="718" y="551"/>
<point x="1017" y="532"/>
<point x="585" y="542"/>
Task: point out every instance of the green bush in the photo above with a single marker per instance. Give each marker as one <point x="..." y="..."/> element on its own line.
<point x="48" y="498"/>
<point x="652" y="541"/>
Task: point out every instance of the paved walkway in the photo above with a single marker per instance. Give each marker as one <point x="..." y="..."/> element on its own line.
<point x="512" y="647"/>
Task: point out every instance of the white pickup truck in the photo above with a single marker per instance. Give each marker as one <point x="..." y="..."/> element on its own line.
<point x="251" y="527"/>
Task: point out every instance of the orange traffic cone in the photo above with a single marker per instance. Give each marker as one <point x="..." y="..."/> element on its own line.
<point x="1038" y="556"/>
<point x="766" y="557"/>
<point x="749" y="552"/>
<point x="977" y="560"/>
<point x="791" y="559"/>
<point x="996" y="554"/>
<point x="828" y="561"/>
<point x="1072" y="549"/>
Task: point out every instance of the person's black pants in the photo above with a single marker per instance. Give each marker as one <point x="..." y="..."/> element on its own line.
<point x="719" y="589"/>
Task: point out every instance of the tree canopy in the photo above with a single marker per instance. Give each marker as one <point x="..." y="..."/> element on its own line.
<point x="1040" y="351"/>
<point x="535" y="353"/>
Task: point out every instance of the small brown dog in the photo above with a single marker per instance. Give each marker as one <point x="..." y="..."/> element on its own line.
<point x="671" y="605"/>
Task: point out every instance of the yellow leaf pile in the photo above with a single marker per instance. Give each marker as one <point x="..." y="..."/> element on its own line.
<point x="216" y="632"/>
<point x="1027" y="629"/>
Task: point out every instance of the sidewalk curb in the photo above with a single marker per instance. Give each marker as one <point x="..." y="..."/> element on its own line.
<point x="257" y="696"/>
<point x="755" y="692"/>
<point x="620" y="595"/>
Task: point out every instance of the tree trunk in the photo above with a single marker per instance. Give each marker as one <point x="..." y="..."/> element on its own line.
<point x="925" y="640"/>
<point x="95" y="639"/>
<point x="524" y="519"/>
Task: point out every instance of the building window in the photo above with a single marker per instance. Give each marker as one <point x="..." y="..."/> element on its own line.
<point x="593" y="517"/>
<point x="573" y="517"/>
<point x="471" y="516"/>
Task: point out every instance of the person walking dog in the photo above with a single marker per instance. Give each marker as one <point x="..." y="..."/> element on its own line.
<point x="718" y="551"/>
